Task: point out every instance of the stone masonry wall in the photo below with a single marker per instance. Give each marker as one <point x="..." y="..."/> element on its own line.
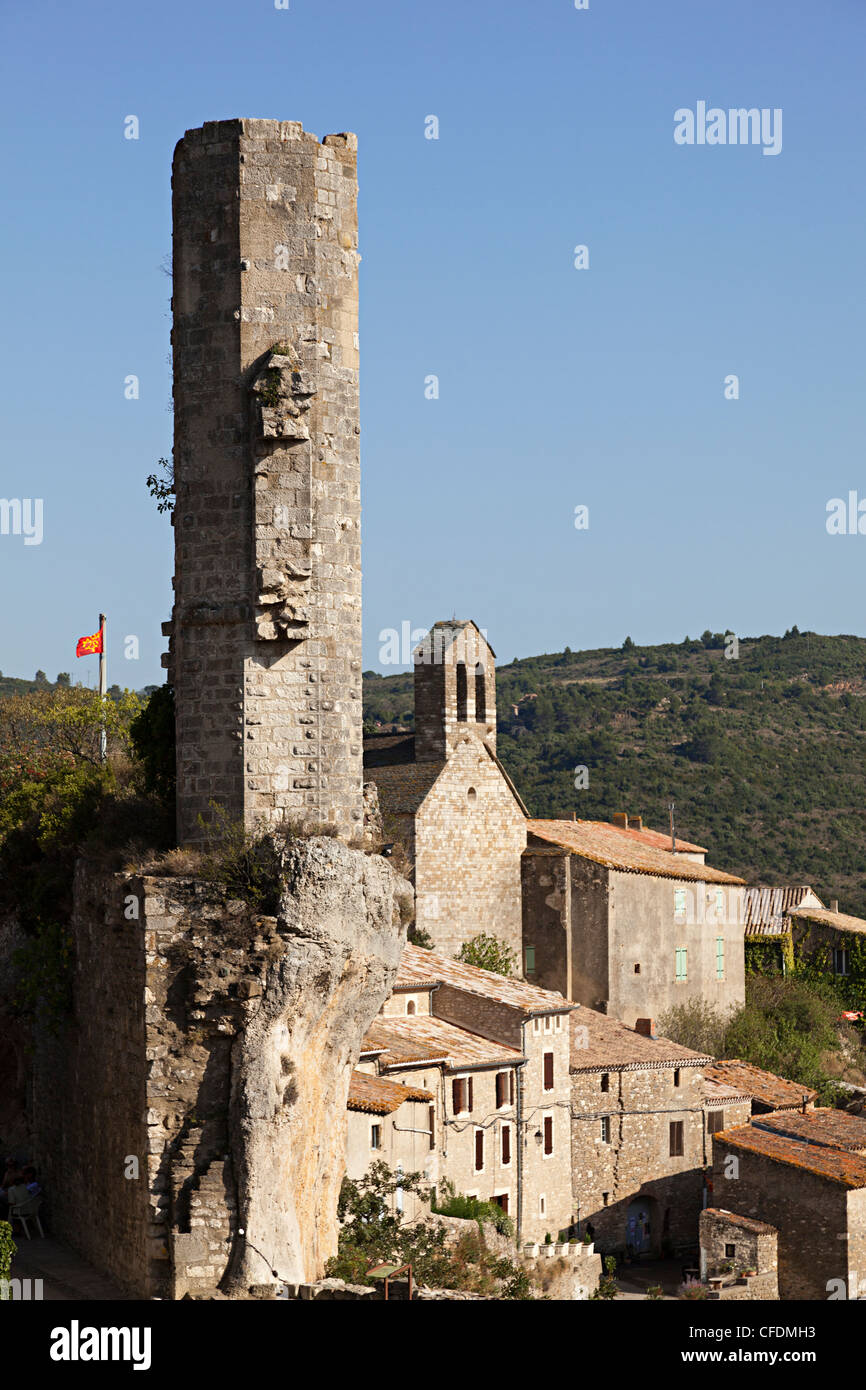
<point x="265" y="652"/>
<point x="87" y="1102"/>
<point x="470" y="834"/>
<point x="635" y="1163"/>
<point x="810" y="1213"/>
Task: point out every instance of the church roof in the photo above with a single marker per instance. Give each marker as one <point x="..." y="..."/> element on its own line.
<point x="444" y="634"/>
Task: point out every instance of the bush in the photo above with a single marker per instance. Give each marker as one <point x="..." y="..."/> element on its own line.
<point x="453" y="1203"/>
<point x="488" y="953"/>
<point x="371" y="1233"/>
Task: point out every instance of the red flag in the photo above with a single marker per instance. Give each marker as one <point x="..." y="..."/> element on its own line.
<point x="89" y="646"/>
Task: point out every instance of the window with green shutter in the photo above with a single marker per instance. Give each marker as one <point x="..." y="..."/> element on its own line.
<point x="720" y="957"/>
<point x="682" y="963"/>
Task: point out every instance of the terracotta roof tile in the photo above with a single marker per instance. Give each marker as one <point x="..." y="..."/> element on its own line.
<point x="612" y="1045"/>
<point x="424" y="1038"/>
<point x="836" y="1165"/>
<point x="419" y="969"/>
<point x="376" y="1096"/>
<point x="833" y="1129"/>
<point x="841" y="921"/>
<point x="762" y="1085"/>
<point x="657" y="839"/>
<point x="606" y="844"/>
<point x="715" y="1093"/>
<point x="760" y="1228"/>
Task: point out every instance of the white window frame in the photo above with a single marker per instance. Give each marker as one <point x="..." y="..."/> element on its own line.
<point x="376" y="1148"/>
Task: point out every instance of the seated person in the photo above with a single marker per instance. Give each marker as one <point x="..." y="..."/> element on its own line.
<point x="28" y="1177"/>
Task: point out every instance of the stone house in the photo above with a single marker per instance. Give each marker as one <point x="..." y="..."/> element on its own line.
<point x="444" y="795"/>
<point x="642" y="1117"/>
<point x="493" y="1053"/>
<point x="626" y="927"/>
<point x="805" y="1175"/>
<point x="736" y="1245"/>
<point x="767" y="938"/>
<point x="393" y="1122"/>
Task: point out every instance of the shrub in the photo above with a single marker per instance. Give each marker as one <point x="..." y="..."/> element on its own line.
<point x="452" y="1203"/>
<point x="488" y="953"/>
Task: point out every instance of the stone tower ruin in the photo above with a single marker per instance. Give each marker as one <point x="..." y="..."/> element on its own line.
<point x="265" y="638"/>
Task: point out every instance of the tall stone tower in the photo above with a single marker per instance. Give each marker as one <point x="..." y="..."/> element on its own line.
<point x="455" y="689"/>
<point x="265" y="638"/>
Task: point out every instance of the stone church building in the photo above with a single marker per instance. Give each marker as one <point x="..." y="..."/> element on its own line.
<point x="444" y="794"/>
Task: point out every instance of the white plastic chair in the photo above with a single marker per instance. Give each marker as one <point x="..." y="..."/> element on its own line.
<point x="25" y="1208"/>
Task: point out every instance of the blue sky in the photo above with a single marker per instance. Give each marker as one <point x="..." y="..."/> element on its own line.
<point x="559" y="387"/>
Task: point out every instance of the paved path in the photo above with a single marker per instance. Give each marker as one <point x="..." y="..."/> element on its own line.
<point x="65" y="1275"/>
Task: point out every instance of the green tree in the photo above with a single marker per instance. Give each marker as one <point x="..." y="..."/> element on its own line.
<point x="488" y="953"/>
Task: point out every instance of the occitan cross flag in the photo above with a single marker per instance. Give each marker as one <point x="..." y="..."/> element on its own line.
<point x="90" y="646"/>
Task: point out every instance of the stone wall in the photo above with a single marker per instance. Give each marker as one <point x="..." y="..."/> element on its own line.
<point x="727" y="1240"/>
<point x="635" y="1165"/>
<point x="469" y="836"/>
<point x="200" y="1087"/>
<point x="87" y="1107"/>
<point x="265" y="653"/>
<point x="810" y="1212"/>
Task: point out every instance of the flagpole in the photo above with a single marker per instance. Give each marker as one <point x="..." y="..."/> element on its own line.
<point x="103" y="687"/>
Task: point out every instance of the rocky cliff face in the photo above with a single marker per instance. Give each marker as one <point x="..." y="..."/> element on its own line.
<point x="190" y="1118"/>
<point x="342" y="923"/>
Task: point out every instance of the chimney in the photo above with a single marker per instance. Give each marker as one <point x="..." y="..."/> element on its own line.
<point x="804" y="1107"/>
<point x="646" y="1027"/>
<point x="834" y="906"/>
<point x="635" y="822"/>
<point x="574" y="815"/>
<point x="619" y="819"/>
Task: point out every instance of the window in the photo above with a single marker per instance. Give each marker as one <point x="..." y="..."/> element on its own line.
<point x="480" y="694"/>
<point x="605" y="1129"/>
<point x="501" y="1200"/>
<point x="462" y="693"/>
<point x="548" y="1135"/>
<point x="840" y="960"/>
<point x="375" y="1136"/>
<point x="548" y="1071"/>
<point x="637" y="968"/>
<point x="504" y="1089"/>
<point x="547" y="1023"/>
<point x="557" y="1023"/>
<point x="730" y="1251"/>
<point x="506" y="1145"/>
<point x="682" y="963"/>
<point x="410" y="1006"/>
<point x="677" y="1077"/>
<point x="479" y="1150"/>
<point x="715" y="1121"/>
<point x="431" y="1124"/>
<point x="398" y="1192"/>
<point x="541" y="1205"/>
<point x="720" y="957"/>
<point x="676" y="1139"/>
<point x="461" y="1095"/>
<point x="679" y="900"/>
<point x="605" y="1081"/>
<point x="471" y="794"/>
<point x="720" y="901"/>
<point x="605" y="1198"/>
<point x="529" y="966"/>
